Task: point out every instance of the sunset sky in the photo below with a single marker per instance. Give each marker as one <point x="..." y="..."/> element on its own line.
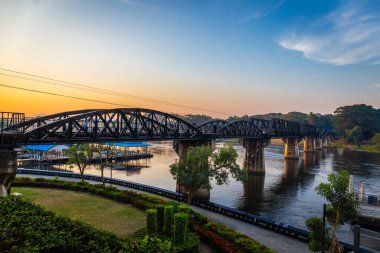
<point x="230" y="57"/>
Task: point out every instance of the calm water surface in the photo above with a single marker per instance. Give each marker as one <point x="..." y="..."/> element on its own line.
<point x="286" y="192"/>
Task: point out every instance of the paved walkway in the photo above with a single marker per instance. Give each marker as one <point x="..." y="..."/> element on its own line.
<point x="276" y="241"/>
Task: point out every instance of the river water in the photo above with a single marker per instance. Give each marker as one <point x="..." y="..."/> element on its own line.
<point x="286" y="192"/>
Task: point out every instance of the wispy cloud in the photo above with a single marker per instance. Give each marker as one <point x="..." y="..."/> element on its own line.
<point x="375" y="85"/>
<point x="261" y="14"/>
<point x="141" y="4"/>
<point x="349" y="35"/>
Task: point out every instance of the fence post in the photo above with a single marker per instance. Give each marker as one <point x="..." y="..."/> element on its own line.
<point x="356" y="239"/>
<point x="362" y="191"/>
<point x="350" y="183"/>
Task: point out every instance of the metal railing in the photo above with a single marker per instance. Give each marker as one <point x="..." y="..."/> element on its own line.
<point x="282" y="228"/>
<point x="8" y="119"/>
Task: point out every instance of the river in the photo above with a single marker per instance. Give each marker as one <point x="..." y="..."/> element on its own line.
<point x="286" y="192"/>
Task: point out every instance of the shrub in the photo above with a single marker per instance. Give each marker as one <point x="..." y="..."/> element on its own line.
<point x="151" y="221"/>
<point x="169" y="220"/>
<point x="317" y="240"/>
<point x="160" y="218"/>
<point x="150" y="244"/>
<point x="234" y="239"/>
<point x="26" y="227"/>
<point x="180" y="227"/>
<point x="184" y="209"/>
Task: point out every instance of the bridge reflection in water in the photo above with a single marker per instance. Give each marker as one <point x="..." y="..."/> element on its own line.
<point x="282" y="192"/>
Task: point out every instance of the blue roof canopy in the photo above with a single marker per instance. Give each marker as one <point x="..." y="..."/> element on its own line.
<point x="39" y="147"/>
<point x="128" y="144"/>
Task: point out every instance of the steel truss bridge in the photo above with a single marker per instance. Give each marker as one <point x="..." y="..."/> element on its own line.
<point x="137" y="124"/>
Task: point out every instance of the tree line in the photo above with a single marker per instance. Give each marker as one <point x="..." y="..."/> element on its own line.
<point x="354" y="123"/>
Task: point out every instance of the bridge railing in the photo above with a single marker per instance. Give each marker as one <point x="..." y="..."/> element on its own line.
<point x="8" y="119"/>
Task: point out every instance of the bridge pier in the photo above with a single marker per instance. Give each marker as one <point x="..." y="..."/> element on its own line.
<point x="291" y="148"/>
<point x="318" y="143"/>
<point x="181" y="147"/>
<point x="254" y="155"/>
<point x="309" y="145"/>
<point x="254" y="192"/>
<point x="8" y="170"/>
<point x="324" y="141"/>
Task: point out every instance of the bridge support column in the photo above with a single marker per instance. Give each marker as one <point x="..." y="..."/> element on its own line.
<point x="324" y="141"/>
<point x="254" y="155"/>
<point x="318" y="143"/>
<point x="291" y="148"/>
<point x="181" y="147"/>
<point x="8" y="170"/>
<point x="309" y="144"/>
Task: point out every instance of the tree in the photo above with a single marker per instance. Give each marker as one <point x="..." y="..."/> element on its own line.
<point x="365" y="116"/>
<point x="235" y="118"/>
<point x="296" y="116"/>
<point x="197" y="119"/>
<point x="342" y="207"/>
<point x="203" y="164"/>
<point x="104" y="161"/>
<point x="80" y="155"/>
<point x="355" y="135"/>
<point x="324" y="122"/>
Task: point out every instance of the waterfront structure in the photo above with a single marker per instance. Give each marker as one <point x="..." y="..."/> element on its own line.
<point x="136" y="124"/>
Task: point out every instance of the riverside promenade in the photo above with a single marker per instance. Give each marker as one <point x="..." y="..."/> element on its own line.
<point x="273" y="240"/>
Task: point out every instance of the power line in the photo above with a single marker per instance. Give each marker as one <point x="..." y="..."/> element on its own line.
<point x="94" y="89"/>
<point x="47" y="82"/>
<point x="61" y="95"/>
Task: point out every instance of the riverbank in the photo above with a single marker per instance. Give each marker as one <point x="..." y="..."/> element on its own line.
<point x="372" y="146"/>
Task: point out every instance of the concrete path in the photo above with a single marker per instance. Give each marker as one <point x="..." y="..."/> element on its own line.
<point x="276" y="241"/>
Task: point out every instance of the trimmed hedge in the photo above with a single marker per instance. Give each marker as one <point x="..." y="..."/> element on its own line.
<point x="180" y="227"/>
<point x="151" y="221"/>
<point x="160" y="218"/>
<point x="197" y="222"/>
<point x="168" y="227"/>
<point x="184" y="209"/>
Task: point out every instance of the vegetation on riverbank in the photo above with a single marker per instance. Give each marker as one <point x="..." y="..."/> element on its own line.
<point x="343" y="206"/>
<point x="372" y="145"/>
<point x="232" y="241"/>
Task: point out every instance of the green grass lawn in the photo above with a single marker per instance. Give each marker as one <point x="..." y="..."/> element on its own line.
<point x="110" y="215"/>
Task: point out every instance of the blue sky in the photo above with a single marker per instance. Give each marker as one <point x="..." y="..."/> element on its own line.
<point x="237" y="57"/>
